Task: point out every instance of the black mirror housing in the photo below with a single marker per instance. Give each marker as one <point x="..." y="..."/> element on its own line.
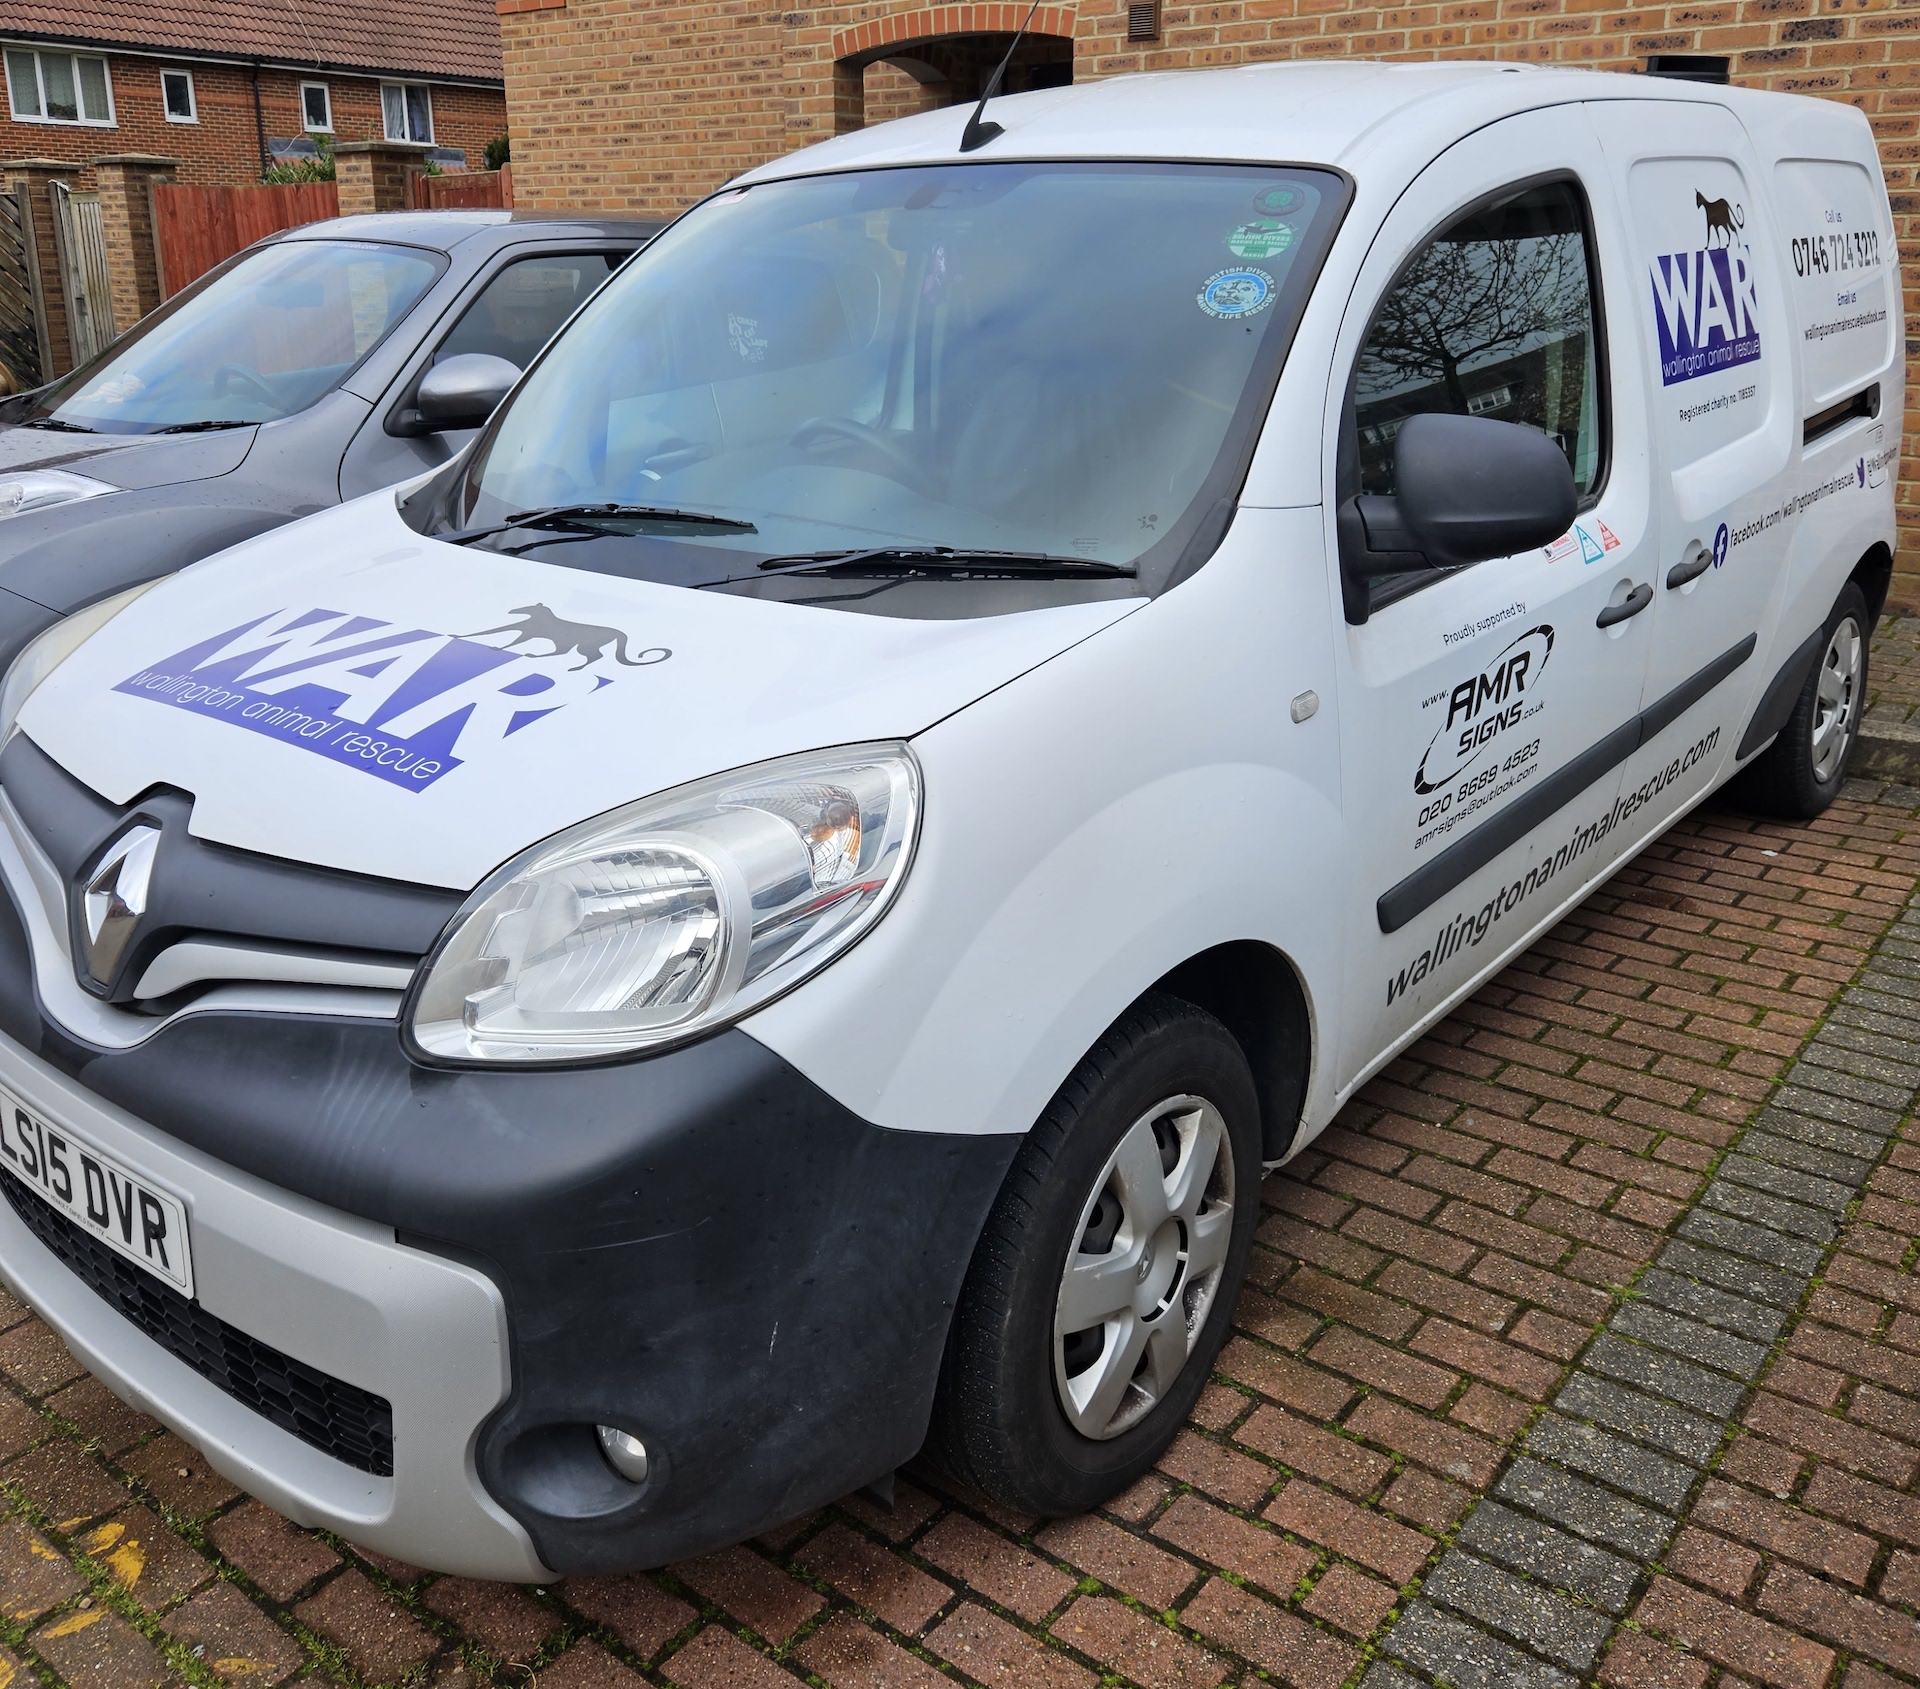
<point x="1470" y="489"/>
<point x="463" y="391"/>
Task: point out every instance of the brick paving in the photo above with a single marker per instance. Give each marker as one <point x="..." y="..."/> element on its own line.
<point x="1583" y="1348"/>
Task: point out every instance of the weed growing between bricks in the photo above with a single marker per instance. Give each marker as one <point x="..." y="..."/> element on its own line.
<point x="1510" y="1400"/>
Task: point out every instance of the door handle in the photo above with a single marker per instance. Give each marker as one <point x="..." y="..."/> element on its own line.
<point x="1635" y="601"/>
<point x="1694" y="563"/>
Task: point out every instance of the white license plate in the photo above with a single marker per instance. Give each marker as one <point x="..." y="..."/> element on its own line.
<point x="126" y="1212"/>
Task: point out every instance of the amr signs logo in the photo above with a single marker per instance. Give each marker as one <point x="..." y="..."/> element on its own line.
<point x="405" y="705"/>
<point x="1705" y="304"/>
<point x="1480" y="712"/>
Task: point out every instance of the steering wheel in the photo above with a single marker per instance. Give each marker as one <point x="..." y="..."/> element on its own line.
<point x="225" y="376"/>
<point x="900" y="466"/>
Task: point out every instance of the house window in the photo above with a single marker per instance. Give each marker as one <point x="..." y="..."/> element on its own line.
<point x="316" y="107"/>
<point x="58" y="88"/>
<point x="176" y="94"/>
<point x="408" y="107"/>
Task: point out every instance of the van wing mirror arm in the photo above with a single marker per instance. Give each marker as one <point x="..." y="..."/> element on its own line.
<point x="1375" y="540"/>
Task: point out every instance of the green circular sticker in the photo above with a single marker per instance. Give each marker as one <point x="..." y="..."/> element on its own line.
<point x="1277" y="201"/>
<point x="1262" y="238"/>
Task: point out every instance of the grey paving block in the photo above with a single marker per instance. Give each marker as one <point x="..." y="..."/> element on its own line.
<point x="1775" y="1213"/>
<point x="1793" y="1183"/>
<point x="1713" y="1307"/>
<point x="1840" y="1082"/>
<point x="1850" y="1011"/>
<point x="1544" y="1620"/>
<point x="1822" y="1163"/>
<point x="1842" y="1031"/>
<point x="1599" y="1454"/>
<point x="1890" y="996"/>
<point x="1664" y="1375"/>
<point x="1690" y="1340"/>
<point x="1887" y="1061"/>
<point x="1757" y="1243"/>
<point x="1824" y="1106"/>
<point x="1552" y="1556"/>
<point x="1381" y="1675"/>
<point x="1670" y="1429"/>
<point x="1585" y="1509"/>
<point x="1466" y="1656"/>
<point x="1825" y="1134"/>
<point x="1882" y="965"/>
<point x="1744" y="1277"/>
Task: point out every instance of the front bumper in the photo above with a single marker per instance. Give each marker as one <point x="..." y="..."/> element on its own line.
<point x="341" y="1295"/>
<point x="703" y="1249"/>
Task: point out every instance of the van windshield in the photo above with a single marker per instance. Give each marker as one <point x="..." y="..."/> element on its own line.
<point x="275" y="333"/>
<point x="1035" y="358"/>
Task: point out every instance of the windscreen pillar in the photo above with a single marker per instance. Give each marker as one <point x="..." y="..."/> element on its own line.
<point x="33" y="179"/>
<point x="126" y="181"/>
<point x="372" y="175"/>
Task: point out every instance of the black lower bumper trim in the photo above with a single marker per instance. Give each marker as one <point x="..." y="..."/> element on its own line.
<point x="343" y="1420"/>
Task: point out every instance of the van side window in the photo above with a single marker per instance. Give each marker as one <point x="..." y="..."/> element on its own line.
<point x="1493" y="317"/>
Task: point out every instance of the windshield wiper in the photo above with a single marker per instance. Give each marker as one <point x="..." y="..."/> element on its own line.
<point x="203" y="427"/>
<point x="579" y="520"/>
<point x="57" y="425"/>
<point x="942" y="559"/>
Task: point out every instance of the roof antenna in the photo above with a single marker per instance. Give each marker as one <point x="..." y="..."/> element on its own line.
<point x="977" y="134"/>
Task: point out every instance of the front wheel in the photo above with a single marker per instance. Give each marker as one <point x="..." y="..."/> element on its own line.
<point x="1800" y="773"/>
<point x="1105" y="1277"/>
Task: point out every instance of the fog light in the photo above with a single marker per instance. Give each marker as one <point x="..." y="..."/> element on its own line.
<point x="626" y="1454"/>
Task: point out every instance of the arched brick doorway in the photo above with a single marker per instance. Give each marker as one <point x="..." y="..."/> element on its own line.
<point x="940" y="56"/>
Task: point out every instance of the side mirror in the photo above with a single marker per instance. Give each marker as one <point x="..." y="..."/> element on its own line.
<point x="1470" y="488"/>
<point x="462" y="392"/>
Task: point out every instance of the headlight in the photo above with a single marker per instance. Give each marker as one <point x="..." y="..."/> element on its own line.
<point x="672" y="916"/>
<point x="47" y="652"/>
<point x="40" y="489"/>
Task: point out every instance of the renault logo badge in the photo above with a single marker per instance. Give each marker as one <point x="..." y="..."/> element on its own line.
<point x="116" y="898"/>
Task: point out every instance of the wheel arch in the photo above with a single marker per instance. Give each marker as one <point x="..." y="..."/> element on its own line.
<point x="1253" y="990"/>
<point x="1874" y="575"/>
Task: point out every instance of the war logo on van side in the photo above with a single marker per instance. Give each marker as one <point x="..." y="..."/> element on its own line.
<point x="1706" y="302"/>
<point x="405" y="705"/>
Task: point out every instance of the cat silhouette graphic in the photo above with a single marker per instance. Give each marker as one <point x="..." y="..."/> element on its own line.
<point x="587" y="639"/>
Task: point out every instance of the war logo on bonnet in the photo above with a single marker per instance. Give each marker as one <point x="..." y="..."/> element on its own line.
<point x="406" y="705"/>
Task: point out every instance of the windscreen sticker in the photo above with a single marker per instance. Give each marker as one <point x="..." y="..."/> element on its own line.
<point x="1236" y="293"/>
<point x="1706" y="303"/>
<point x="405" y="705"/>
<point x="1278" y="200"/>
<point x="1262" y="238"/>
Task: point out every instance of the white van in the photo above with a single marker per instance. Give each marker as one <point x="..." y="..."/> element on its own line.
<point x="779" y="906"/>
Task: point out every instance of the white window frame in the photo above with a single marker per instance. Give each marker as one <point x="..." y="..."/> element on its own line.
<point x="110" y="121"/>
<point x="193" y="99"/>
<point x="426" y="92"/>
<point x="326" y="96"/>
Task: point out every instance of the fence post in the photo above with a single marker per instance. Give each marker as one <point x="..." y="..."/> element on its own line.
<point x="126" y="220"/>
<point x="36" y="176"/>
<point x="372" y="175"/>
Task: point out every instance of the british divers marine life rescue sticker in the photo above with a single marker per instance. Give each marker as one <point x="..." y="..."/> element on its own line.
<point x="1264" y="237"/>
<point x="1236" y="293"/>
<point x="403" y="704"/>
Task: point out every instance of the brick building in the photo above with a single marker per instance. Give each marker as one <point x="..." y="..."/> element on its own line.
<point x="642" y="108"/>
<point x="212" y="84"/>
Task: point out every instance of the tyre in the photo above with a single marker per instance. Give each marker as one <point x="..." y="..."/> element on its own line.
<point x="1800" y="773"/>
<point x="1104" y="1280"/>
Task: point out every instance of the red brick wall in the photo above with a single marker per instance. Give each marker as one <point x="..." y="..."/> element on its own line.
<point x="642" y="108"/>
<point x="223" y="148"/>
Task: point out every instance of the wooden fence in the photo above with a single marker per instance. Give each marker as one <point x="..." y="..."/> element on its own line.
<point x="462" y="190"/>
<point x="196" y="228"/>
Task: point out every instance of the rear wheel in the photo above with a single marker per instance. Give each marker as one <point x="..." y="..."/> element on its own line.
<point x="1800" y="773"/>
<point x="1104" y="1280"/>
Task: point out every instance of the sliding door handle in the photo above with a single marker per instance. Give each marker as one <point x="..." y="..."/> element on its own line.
<point x="1635" y="601"/>
<point x="1694" y="562"/>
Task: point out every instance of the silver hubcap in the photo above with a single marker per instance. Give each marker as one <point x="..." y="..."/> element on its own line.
<point x="1837" y="699"/>
<point x="1153" y="1243"/>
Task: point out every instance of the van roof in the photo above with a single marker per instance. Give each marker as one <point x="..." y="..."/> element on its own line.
<point x="1321" y="113"/>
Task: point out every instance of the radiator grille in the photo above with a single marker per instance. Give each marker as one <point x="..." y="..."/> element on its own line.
<point x="353" y="1425"/>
